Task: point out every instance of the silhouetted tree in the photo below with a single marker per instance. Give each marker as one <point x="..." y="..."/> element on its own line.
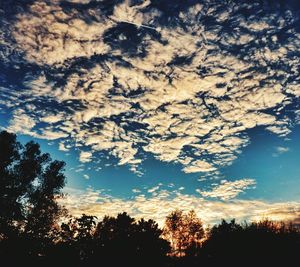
<point x="76" y="244"/>
<point x="30" y="184"/>
<point x="135" y="243"/>
<point x="115" y="235"/>
<point x="150" y="246"/>
<point x="184" y="231"/>
<point x="264" y="242"/>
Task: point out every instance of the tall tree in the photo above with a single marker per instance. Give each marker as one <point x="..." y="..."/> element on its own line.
<point x="135" y="243"/>
<point x="77" y="236"/>
<point x="184" y="231"/>
<point x="30" y="184"/>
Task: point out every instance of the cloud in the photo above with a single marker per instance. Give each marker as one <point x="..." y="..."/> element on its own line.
<point x="52" y="118"/>
<point x="187" y="90"/>
<point x="157" y="207"/>
<point x="281" y="149"/>
<point x="85" y="176"/>
<point x="62" y="147"/>
<point x="22" y="123"/>
<point x="199" y="166"/>
<point x="85" y="156"/>
<point x="135" y="190"/>
<point x="58" y="35"/>
<point x="153" y="189"/>
<point x="228" y="189"/>
<point x="52" y="135"/>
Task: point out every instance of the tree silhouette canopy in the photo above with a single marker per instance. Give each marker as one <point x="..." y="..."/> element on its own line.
<point x="30" y="184"/>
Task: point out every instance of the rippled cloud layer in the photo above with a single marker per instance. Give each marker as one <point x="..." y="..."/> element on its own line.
<point x="183" y="82"/>
<point x="160" y="204"/>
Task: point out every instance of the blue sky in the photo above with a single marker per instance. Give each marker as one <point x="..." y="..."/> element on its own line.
<point x="156" y="106"/>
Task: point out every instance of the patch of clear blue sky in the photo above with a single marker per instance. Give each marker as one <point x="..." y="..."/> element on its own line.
<point x="277" y="174"/>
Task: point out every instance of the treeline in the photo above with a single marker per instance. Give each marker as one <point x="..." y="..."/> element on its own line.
<point x="36" y="231"/>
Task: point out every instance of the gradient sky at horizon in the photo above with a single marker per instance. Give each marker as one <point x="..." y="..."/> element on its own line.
<point x="156" y="105"/>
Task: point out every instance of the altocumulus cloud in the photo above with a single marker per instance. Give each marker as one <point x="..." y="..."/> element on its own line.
<point x="85" y="156"/>
<point x="227" y="189"/>
<point x="186" y="89"/>
<point x="158" y="206"/>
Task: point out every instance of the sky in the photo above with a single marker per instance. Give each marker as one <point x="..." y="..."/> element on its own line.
<point x="156" y="105"/>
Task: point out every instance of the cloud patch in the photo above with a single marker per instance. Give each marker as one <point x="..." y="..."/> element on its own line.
<point x="158" y="206"/>
<point x="85" y="156"/>
<point x="228" y="189"/>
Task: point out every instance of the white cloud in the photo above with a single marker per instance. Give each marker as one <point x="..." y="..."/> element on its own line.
<point x="85" y="156"/>
<point x="22" y="123"/>
<point x="60" y="41"/>
<point x="62" y="147"/>
<point x="228" y="189"/>
<point x="135" y="190"/>
<point x="157" y="207"/>
<point x="52" y="118"/>
<point x="52" y="135"/>
<point x="281" y="149"/>
<point x="199" y="166"/>
<point x="153" y="189"/>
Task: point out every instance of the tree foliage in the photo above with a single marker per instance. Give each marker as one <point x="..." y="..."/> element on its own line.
<point x="30" y="184"/>
<point x="185" y="232"/>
